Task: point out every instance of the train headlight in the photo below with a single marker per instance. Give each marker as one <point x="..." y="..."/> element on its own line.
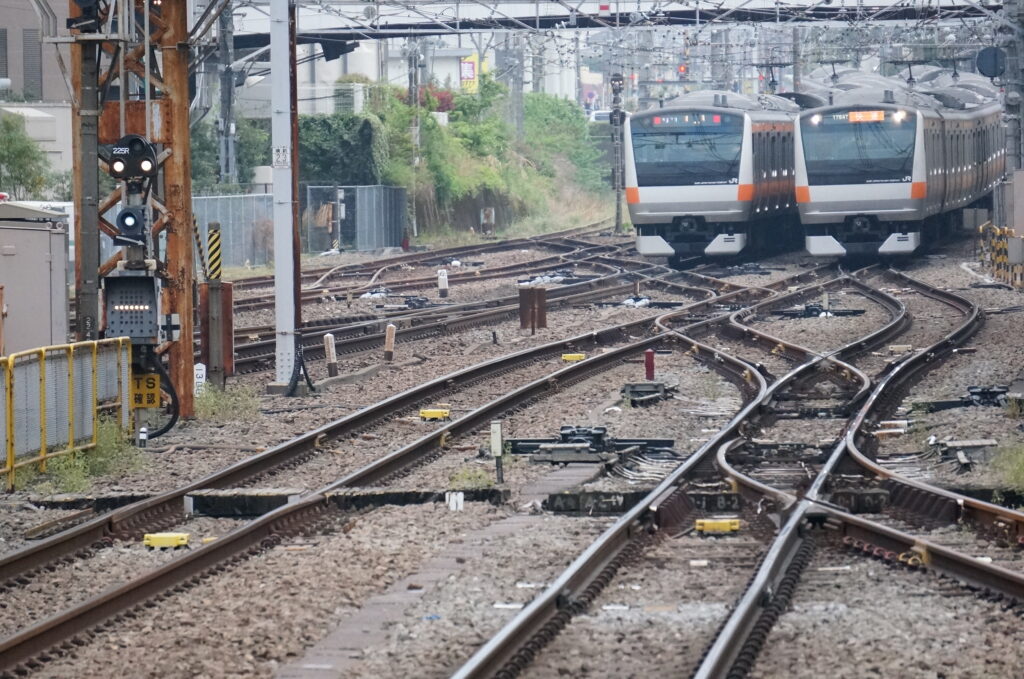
<point x="815" y="119"/>
<point x="899" y="116"/>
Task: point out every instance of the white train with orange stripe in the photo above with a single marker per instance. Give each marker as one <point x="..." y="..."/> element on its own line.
<point x="881" y="170"/>
<point x="711" y="173"/>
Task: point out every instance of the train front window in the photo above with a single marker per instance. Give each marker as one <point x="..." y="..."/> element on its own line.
<point x="859" y="146"/>
<point x="687" y="148"/>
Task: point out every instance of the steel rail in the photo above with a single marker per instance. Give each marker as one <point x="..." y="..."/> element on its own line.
<point x="515" y="645"/>
<point x="367" y="336"/>
<point x="266" y="530"/>
<point x="140" y="513"/>
<point x="578" y="256"/>
<point x="543" y="240"/>
<point x="735" y="648"/>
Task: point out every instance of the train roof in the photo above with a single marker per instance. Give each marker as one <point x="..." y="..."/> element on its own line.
<point x="734" y="100"/>
<point x="935" y="89"/>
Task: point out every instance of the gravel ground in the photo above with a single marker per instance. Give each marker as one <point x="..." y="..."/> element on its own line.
<point x="50" y="592"/>
<point x="245" y="622"/>
<point x="826" y="334"/>
<point x="404" y="272"/>
<point x="998" y="361"/>
<point x="657" y="615"/>
<point x="18" y="515"/>
<point x="458" y="292"/>
<point x="447" y="625"/>
<point x="704" y="403"/>
<point x="870" y="620"/>
<point x="772" y="269"/>
<point x="198" y="448"/>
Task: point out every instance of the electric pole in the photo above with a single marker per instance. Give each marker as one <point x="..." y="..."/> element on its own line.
<point x="226" y="122"/>
<point x="618" y="118"/>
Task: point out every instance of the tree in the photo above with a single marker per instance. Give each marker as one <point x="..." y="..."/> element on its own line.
<point x="23" y="166"/>
<point x="252" y="148"/>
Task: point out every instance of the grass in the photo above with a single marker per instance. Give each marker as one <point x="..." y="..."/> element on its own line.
<point x="1014" y="409"/>
<point x="471" y="478"/>
<point x="237" y="402"/>
<point x="1009" y="465"/>
<point x="113" y="455"/>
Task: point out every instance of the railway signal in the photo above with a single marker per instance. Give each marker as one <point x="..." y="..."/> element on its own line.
<point x="132" y="158"/>
<point x="89" y="19"/>
<point x="131" y="225"/>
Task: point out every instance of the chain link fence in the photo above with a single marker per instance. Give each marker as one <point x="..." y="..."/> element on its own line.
<point x="354" y="217"/>
<point x="246" y="226"/>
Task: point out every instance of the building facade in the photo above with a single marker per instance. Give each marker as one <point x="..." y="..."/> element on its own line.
<point x="25" y="60"/>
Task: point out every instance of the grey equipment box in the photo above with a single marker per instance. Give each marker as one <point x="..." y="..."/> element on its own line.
<point x="33" y="272"/>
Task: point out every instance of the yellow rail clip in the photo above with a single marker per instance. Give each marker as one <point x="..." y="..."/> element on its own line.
<point x="442" y="411"/>
<point x="572" y="358"/>
<point x="165" y="540"/>
<point x="716" y="525"/>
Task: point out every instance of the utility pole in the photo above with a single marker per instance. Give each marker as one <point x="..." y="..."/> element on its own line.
<point x="579" y="69"/>
<point x="1012" y="81"/>
<point x="85" y="185"/>
<point x="226" y="122"/>
<point x="618" y="118"/>
<point x="414" y="129"/>
<point x="796" y="60"/>
<point x="286" y="306"/>
<point x="537" y="67"/>
<point x="517" y="85"/>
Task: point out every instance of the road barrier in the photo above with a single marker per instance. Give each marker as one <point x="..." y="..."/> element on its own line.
<point x="50" y="399"/>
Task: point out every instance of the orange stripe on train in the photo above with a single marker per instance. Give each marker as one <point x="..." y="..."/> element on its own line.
<point x="632" y="194"/>
<point x="745" y="192"/>
<point x="803" y="194"/>
<point x="919" y="190"/>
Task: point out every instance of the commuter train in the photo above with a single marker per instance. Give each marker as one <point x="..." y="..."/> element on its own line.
<point x="711" y="173"/>
<point x="883" y="168"/>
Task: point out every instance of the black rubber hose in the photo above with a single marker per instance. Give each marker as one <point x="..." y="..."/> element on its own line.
<point x="175" y="406"/>
<point x="298" y="371"/>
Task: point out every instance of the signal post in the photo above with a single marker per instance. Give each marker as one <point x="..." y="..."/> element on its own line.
<point x="144" y="144"/>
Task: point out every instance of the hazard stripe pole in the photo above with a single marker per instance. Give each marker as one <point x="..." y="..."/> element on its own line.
<point x="214" y="248"/>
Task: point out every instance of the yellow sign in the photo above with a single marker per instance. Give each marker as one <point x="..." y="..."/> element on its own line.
<point x="146" y="390"/>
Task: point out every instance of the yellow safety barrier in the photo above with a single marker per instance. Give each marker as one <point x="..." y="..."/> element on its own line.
<point x="50" y="399"/>
<point x="993" y="254"/>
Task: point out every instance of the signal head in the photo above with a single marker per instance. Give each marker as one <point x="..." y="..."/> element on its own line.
<point x="132" y="157"/>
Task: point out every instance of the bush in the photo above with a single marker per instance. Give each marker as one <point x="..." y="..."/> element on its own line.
<point x="237" y="402"/>
<point x="114" y="455"/>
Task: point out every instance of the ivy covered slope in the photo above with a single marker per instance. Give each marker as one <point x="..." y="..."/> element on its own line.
<point x="550" y="178"/>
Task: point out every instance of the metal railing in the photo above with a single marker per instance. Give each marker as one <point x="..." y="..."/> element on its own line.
<point x="50" y="399"/>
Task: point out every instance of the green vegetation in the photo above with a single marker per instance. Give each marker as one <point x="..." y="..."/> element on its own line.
<point x="252" y="148"/>
<point x="1009" y="464"/>
<point x="475" y="161"/>
<point x="113" y="455"/>
<point x="24" y="170"/>
<point x="237" y="402"/>
<point x="471" y="478"/>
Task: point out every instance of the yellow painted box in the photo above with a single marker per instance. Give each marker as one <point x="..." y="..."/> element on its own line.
<point x="573" y="357"/>
<point x="717" y="525"/>
<point x="165" y="540"/>
<point x="440" y="412"/>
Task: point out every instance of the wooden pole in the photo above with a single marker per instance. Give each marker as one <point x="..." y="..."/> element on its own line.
<point x="173" y="45"/>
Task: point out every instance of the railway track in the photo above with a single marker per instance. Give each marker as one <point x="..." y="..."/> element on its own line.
<point x="667" y="508"/>
<point x="163" y="510"/>
<point x="311" y="275"/>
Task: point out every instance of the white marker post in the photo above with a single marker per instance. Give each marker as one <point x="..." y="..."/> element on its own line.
<point x="331" y="352"/>
<point x="442" y="283"/>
